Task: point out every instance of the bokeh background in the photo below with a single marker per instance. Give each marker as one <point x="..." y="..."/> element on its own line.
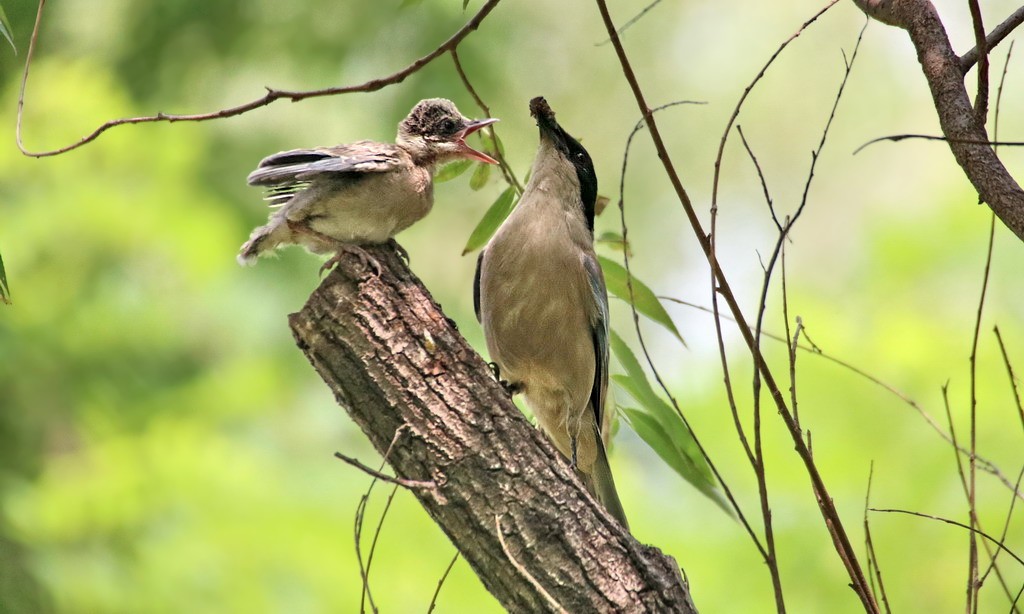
<point x="164" y="447"/>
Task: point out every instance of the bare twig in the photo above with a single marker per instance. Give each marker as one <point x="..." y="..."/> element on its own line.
<point x="992" y="557"/>
<point x="973" y="584"/>
<point x="1013" y="378"/>
<point x="364" y="569"/>
<point x="981" y="98"/>
<point x="429" y="484"/>
<point x="874" y="571"/>
<point x="440" y="583"/>
<point x="643" y="345"/>
<point x="632" y="21"/>
<point x="984" y="464"/>
<point x="271" y="95"/>
<point x="994" y="38"/>
<point x="506" y="169"/>
<point x="956" y="524"/>
<point x="896" y="138"/>
<point x="830" y="514"/>
<point x="376" y="537"/>
<point x="760" y="177"/>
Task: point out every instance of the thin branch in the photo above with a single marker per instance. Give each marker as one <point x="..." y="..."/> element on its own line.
<point x="992" y="557"/>
<point x="1013" y="378"/>
<point x="874" y="571"/>
<point x="956" y="524"/>
<point x="984" y="464"/>
<point x="746" y="92"/>
<point x="981" y="98"/>
<point x="631" y="21"/>
<point x="972" y="486"/>
<point x="440" y="583"/>
<point x="760" y="176"/>
<point x="895" y="138"/>
<point x="830" y="514"/>
<point x="643" y="345"/>
<point x="373" y="543"/>
<point x="383" y="477"/>
<point x="994" y="38"/>
<point x="364" y="569"/>
<point x="271" y="95"/>
<point x="758" y="462"/>
<point x="506" y="169"/>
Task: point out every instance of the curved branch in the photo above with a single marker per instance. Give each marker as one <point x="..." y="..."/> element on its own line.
<point x="942" y="69"/>
<point x="508" y="501"/>
<point x="271" y="95"/>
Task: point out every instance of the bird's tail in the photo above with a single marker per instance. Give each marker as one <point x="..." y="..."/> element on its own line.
<point x="602" y="486"/>
<point x="263" y="239"/>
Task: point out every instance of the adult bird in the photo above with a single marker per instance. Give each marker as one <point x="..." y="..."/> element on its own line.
<point x="333" y="199"/>
<point x="540" y="295"/>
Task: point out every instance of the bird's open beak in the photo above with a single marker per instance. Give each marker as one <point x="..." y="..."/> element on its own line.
<point x="468" y="151"/>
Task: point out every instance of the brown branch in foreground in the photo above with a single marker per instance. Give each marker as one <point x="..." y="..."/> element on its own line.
<point x="393" y="361"/>
<point x="830" y="515"/>
<point x="271" y="95"/>
<point x="941" y="68"/>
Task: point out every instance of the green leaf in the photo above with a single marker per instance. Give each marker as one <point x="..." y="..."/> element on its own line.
<point x="497" y="141"/>
<point x="614" y="240"/>
<point x="655" y="436"/>
<point x="491" y="220"/>
<point x="480" y="176"/>
<point x="465" y="3"/>
<point x="5" y="29"/>
<point x="5" y="291"/>
<point x="660" y="426"/>
<point x="452" y="170"/>
<point x="646" y="303"/>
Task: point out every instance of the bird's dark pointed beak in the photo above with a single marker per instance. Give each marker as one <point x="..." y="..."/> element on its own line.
<point x="466" y="150"/>
<point x="549" y="128"/>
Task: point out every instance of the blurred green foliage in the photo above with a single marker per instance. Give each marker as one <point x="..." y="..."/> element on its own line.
<point x="165" y="448"/>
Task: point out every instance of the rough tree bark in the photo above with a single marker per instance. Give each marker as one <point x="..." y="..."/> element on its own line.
<point x="967" y="136"/>
<point x="507" y="500"/>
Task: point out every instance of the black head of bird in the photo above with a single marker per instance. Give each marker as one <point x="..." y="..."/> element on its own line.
<point x="566" y="152"/>
<point x="435" y="132"/>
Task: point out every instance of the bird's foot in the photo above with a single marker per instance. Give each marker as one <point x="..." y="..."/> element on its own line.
<point x="404" y="255"/>
<point x="368" y="262"/>
<point x="512" y="388"/>
<point x="572" y="445"/>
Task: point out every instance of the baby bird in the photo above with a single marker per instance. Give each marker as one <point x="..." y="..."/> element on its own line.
<point x="333" y="199"/>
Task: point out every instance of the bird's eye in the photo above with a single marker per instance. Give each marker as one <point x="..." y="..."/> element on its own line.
<point x="448" y="126"/>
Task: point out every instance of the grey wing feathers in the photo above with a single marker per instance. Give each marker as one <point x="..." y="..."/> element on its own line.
<point x="297" y="165"/>
<point x="599" y="334"/>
